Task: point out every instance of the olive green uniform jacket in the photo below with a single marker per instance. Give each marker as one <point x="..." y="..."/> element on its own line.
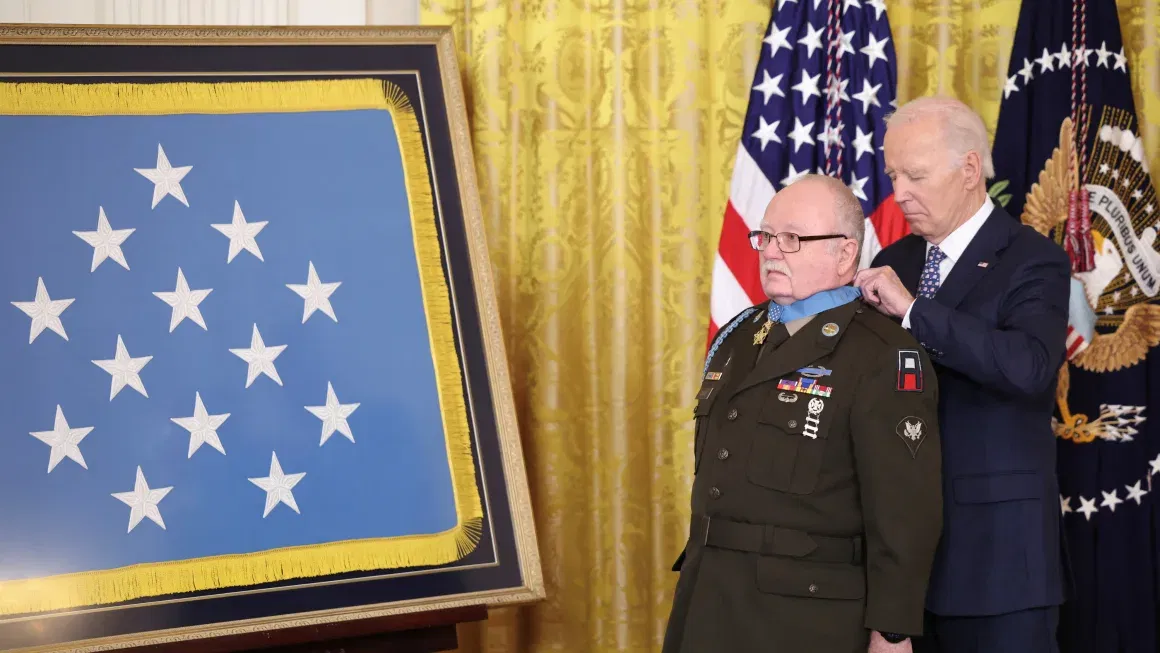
<point x="817" y="498"/>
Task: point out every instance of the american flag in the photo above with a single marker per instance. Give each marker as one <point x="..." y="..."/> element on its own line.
<point x="214" y="342"/>
<point x="824" y="82"/>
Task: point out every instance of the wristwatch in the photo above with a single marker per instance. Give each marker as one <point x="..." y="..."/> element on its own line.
<point x="894" y="638"/>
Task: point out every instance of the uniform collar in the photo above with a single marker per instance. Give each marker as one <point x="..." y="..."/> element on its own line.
<point x="804" y="348"/>
<point x="814" y="304"/>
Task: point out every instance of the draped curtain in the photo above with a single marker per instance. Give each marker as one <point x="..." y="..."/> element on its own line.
<point x="604" y="135"/>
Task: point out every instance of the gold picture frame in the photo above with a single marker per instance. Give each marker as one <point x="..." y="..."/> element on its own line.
<point x="503" y="565"/>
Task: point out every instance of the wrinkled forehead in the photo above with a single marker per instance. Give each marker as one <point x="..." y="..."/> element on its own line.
<point x="798" y="218"/>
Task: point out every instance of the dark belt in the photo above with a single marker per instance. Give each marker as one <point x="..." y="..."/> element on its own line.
<point x="766" y="539"/>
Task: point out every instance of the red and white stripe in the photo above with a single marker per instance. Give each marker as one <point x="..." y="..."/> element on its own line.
<point x="1075" y="342"/>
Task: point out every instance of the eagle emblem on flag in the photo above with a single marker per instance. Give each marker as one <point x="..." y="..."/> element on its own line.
<point x="1116" y="287"/>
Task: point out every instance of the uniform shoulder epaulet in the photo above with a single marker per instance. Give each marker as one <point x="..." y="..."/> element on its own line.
<point x="884" y="328"/>
<point x="724" y="332"/>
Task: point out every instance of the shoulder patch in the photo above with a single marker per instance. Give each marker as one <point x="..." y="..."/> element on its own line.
<point x="909" y="371"/>
<point x="912" y="430"/>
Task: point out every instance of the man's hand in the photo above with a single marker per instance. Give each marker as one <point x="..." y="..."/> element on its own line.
<point x="880" y="645"/>
<point x="882" y="289"/>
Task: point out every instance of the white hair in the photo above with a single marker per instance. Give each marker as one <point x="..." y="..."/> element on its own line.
<point x="848" y="215"/>
<point x="963" y="129"/>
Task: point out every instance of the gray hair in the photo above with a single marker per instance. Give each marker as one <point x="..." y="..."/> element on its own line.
<point x="848" y="214"/>
<point x="963" y="129"/>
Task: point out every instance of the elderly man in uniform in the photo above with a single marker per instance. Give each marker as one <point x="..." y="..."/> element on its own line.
<point x="817" y="502"/>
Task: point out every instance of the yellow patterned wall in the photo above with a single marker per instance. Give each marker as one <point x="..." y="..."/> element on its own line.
<point x="604" y="135"/>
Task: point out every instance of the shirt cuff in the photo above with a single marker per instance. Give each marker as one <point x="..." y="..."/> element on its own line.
<point x="906" y="318"/>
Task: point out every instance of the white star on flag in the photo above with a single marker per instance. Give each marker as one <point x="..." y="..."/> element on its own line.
<point x="184" y="302"/>
<point x="44" y="311"/>
<point x="241" y="234"/>
<point x="202" y="427"/>
<point x="143" y="502"/>
<point x="166" y="179"/>
<point x="812" y="40"/>
<point x="778" y="39"/>
<point x="868" y="95"/>
<point x="125" y="371"/>
<point x="333" y="416"/>
<point x="278" y="486"/>
<point x="106" y="241"/>
<point x="1135" y="492"/>
<point x="1087" y="507"/>
<point x="260" y="358"/>
<point x="770" y="86"/>
<point x="801" y="134"/>
<point x="63" y="440"/>
<point x="875" y="49"/>
<point x="316" y="294"/>
<point x="857" y="185"/>
<point x="862" y="144"/>
<point x="808" y="87"/>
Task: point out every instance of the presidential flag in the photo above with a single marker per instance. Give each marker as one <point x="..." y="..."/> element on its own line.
<point x="1070" y="161"/>
<point x="825" y="80"/>
<point x="226" y="342"/>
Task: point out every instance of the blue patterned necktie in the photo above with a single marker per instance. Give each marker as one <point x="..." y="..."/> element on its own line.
<point x="929" y="283"/>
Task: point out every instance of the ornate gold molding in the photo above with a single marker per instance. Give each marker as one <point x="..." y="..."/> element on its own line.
<point x="34" y="33"/>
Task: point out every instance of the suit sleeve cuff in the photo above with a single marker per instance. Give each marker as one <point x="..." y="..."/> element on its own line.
<point x="906" y="317"/>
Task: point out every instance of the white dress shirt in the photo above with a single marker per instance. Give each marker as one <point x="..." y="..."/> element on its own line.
<point x="954" y="245"/>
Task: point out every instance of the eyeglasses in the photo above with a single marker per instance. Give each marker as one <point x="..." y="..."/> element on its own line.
<point x="787" y="241"/>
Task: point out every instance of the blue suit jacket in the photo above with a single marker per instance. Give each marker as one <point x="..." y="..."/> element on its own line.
<point x="999" y="320"/>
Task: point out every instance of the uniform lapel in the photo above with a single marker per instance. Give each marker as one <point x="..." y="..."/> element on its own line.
<point x="977" y="260"/>
<point x="742" y="352"/>
<point x="801" y="349"/>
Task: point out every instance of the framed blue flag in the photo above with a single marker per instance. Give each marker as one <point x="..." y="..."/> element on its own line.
<point x="255" y="371"/>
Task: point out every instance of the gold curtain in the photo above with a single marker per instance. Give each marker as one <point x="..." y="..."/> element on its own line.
<point x="604" y="135"/>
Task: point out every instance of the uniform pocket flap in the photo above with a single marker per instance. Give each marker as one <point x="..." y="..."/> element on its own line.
<point x="816" y="580"/>
<point x="992" y="488"/>
<point x="702" y="407"/>
<point x="785" y="416"/>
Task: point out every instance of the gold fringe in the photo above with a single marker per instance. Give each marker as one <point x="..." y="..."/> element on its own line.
<point x="216" y="572"/>
<point x="121" y="99"/>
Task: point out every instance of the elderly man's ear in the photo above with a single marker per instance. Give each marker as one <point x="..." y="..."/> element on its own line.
<point x="972" y="170"/>
<point x="848" y="257"/>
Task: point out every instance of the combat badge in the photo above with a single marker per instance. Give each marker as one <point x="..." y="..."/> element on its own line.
<point x="912" y="430"/>
<point x="814" y="372"/>
<point x="909" y="371"/>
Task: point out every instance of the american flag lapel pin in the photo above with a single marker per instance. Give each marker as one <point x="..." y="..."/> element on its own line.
<point x="982" y="264"/>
